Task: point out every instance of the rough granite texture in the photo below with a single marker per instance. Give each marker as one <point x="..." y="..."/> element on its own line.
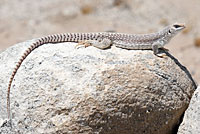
<point x="60" y="89"/>
<point x="191" y="120"/>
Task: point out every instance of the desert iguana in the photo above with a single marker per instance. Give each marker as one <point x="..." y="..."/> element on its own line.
<point x="103" y="40"/>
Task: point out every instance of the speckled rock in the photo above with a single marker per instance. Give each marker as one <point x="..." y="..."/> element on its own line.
<point x="61" y="89"/>
<point x="191" y="120"/>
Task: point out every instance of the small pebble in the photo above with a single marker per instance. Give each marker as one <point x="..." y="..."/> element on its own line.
<point x="197" y="42"/>
<point x="87" y="9"/>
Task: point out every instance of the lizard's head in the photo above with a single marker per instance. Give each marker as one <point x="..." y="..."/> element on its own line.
<point x="169" y="32"/>
<point x="175" y="28"/>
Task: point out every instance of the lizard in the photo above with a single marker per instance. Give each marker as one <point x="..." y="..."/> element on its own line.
<point x="103" y="40"/>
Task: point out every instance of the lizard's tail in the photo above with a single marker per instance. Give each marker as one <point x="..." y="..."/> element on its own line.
<point x="56" y="38"/>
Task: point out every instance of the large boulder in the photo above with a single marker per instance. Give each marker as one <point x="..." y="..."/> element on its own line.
<point x="61" y="89"/>
<point x="191" y="120"/>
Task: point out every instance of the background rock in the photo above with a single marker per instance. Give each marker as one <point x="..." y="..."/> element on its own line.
<point x="191" y="120"/>
<point x="60" y="89"/>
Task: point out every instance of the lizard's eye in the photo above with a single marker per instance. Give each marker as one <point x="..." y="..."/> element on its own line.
<point x="177" y="26"/>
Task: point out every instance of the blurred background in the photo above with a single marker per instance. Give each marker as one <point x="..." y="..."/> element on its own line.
<point x="22" y="20"/>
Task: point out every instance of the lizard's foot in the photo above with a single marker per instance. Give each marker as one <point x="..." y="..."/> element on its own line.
<point x="161" y="55"/>
<point x="84" y="43"/>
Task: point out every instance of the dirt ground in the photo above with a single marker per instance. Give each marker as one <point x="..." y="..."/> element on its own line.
<point x="22" y="20"/>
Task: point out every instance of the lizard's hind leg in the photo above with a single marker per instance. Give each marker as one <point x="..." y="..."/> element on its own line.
<point x="103" y="44"/>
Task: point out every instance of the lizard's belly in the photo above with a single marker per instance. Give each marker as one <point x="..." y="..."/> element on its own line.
<point x="134" y="46"/>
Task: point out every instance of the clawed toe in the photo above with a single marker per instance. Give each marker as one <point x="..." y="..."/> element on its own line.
<point x="161" y="55"/>
<point x="83" y="43"/>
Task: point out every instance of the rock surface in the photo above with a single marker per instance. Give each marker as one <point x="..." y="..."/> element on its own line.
<point x="191" y="120"/>
<point x="60" y="89"/>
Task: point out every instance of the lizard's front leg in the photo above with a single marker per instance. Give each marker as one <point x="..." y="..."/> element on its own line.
<point x="155" y="47"/>
<point x="102" y="44"/>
